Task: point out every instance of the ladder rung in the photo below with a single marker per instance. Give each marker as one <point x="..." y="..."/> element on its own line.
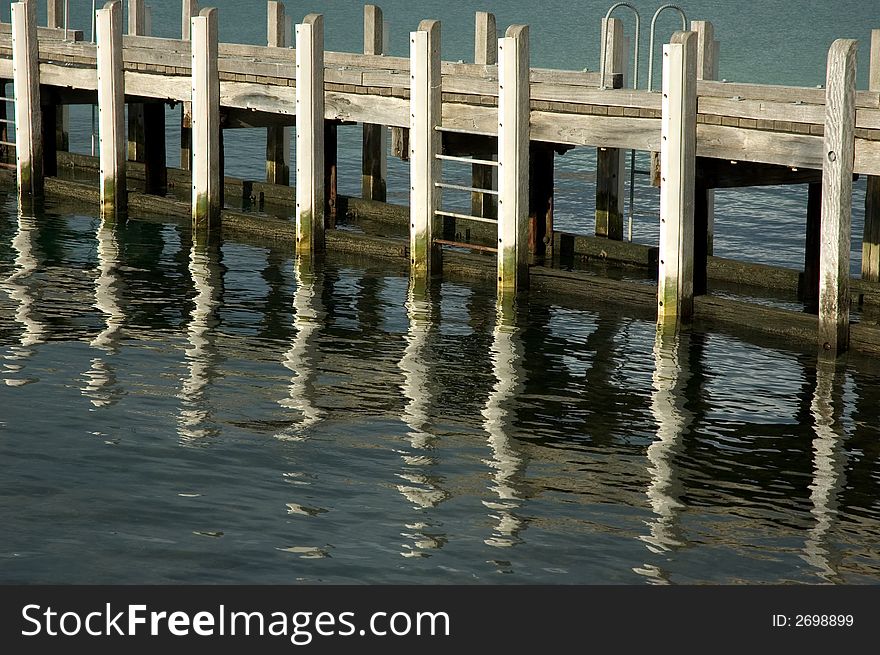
<point x="7" y="143"/>
<point x="459" y="130"/>
<point x="7" y="99"/>
<point x="458" y="244"/>
<point x="468" y="160"/>
<point x="8" y="121"/>
<point x="458" y="187"/>
<point x="466" y="217"/>
<point x="3" y="164"/>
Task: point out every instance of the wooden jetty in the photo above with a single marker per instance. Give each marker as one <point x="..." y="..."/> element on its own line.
<point x="500" y="116"/>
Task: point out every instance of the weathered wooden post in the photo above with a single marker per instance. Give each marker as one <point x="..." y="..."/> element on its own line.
<point x="206" y="175"/>
<point x="374" y="166"/>
<point x="55" y="18"/>
<point x="871" y="240"/>
<point x="610" y="163"/>
<point x="111" y="109"/>
<point x="810" y="284"/>
<point x="837" y="170"/>
<point x="424" y="146"/>
<point x="707" y="69"/>
<point x="28" y="122"/>
<point x="189" y="9"/>
<point x="310" y="135"/>
<point x="482" y="176"/>
<point x="137" y="26"/>
<point x="277" y="136"/>
<point x="513" y="160"/>
<point x="675" y="286"/>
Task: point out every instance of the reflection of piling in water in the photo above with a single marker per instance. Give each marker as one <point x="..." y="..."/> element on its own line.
<point x="829" y="461"/>
<point x="672" y="372"/>
<point x="420" y="488"/>
<point x="19" y="288"/>
<point x="101" y="377"/>
<point x="300" y="358"/>
<point x="506" y="462"/>
<point x="194" y="422"/>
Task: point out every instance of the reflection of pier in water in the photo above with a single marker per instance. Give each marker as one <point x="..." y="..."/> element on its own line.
<point x="19" y="286"/>
<point x="507" y="463"/>
<point x="300" y="359"/>
<point x="195" y="420"/>
<point x="100" y="380"/>
<point x="420" y="487"/>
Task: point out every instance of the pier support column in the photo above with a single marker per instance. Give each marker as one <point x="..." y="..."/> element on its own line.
<point x="310" y="135"/>
<point x="675" y="284"/>
<point x="871" y="239"/>
<point x="513" y="161"/>
<point x="28" y="123"/>
<point x="425" y="144"/>
<point x="55" y="18"/>
<point x="374" y="164"/>
<point x="189" y="9"/>
<point x="277" y="136"/>
<point x="155" y="167"/>
<point x="206" y="174"/>
<point x="137" y="26"/>
<point x="610" y="162"/>
<point x="541" y="165"/>
<point x="331" y="157"/>
<point x="809" y="286"/>
<point x="837" y="170"/>
<point x="707" y="69"/>
<point x="484" y="177"/>
<point x="111" y="109"/>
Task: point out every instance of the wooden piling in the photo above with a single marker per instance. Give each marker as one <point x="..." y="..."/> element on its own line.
<point x="484" y="177"/>
<point x="155" y="166"/>
<point x="111" y="109"/>
<point x="374" y="164"/>
<point x="137" y="26"/>
<point x="206" y="179"/>
<point x="513" y="160"/>
<point x="810" y="282"/>
<point x="331" y="158"/>
<point x="610" y="162"/>
<point x="55" y="18"/>
<point x="675" y="288"/>
<point x="707" y="69"/>
<point x="277" y="136"/>
<point x="424" y="145"/>
<point x="837" y="170"/>
<point x="189" y="9"/>
<point x="310" y="135"/>
<point x="26" y="79"/>
<point x="541" y="179"/>
<point x="871" y="239"/>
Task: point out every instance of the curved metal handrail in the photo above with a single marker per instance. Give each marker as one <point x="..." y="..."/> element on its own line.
<point x="651" y="41"/>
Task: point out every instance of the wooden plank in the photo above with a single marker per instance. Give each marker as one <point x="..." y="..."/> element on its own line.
<point x="310" y="135"/>
<point x="277" y="137"/>
<point x="425" y="145"/>
<point x="610" y="163"/>
<point x="374" y="163"/>
<point x="589" y="130"/>
<point x="678" y="172"/>
<point x="28" y="123"/>
<point x="206" y="180"/>
<point x="779" y="93"/>
<point x="513" y="161"/>
<point x="837" y="170"/>
<point x="871" y="235"/>
<point x="111" y="110"/>
<point x="47" y="33"/>
<point x="485" y="177"/>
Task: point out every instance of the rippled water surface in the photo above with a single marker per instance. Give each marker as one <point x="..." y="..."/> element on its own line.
<point x="180" y="412"/>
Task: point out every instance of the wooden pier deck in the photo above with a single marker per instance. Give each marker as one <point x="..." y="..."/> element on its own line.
<point x="499" y="112"/>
